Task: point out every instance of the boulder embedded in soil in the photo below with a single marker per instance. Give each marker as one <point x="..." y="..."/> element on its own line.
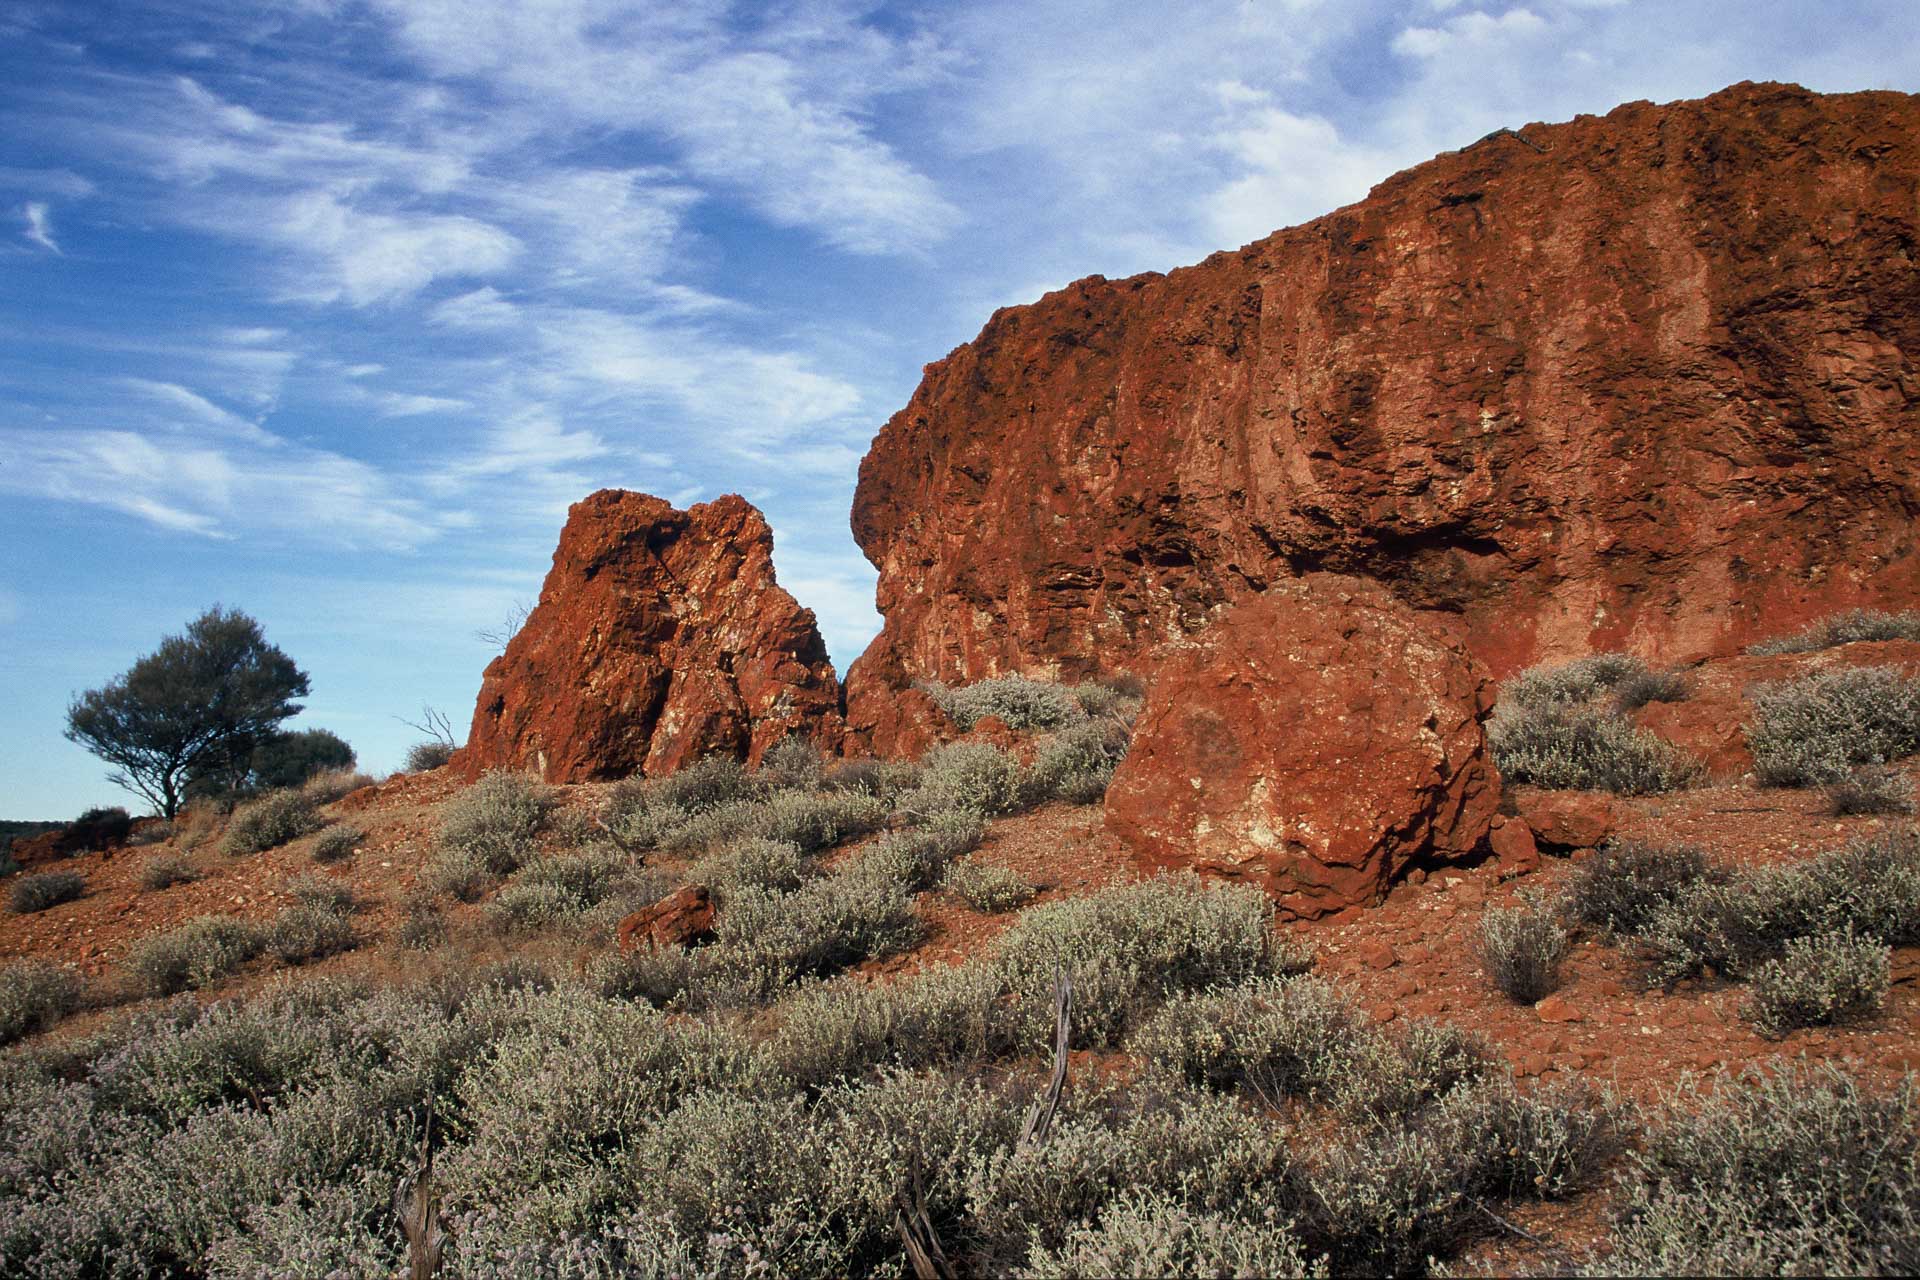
<point x="678" y="920"/>
<point x="1314" y="741"/>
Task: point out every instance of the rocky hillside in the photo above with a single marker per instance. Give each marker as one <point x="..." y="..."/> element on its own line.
<point x="1643" y="381"/>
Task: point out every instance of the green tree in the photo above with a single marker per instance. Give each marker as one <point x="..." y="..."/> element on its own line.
<point x="202" y="702"/>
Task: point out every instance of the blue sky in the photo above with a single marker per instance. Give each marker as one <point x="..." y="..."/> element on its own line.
<point x="326" y="311"/>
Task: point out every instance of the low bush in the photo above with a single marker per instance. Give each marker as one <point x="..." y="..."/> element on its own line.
<point x="1118" y="696"/>
<point x="916" y="858"/>
<point x="1206" y="1153"/>
<point x="1386" y="1202"/>
<point x="988" y="887"/>
<point x="706" y="784"/>
<point x="100" y="828"/>
<point x="33" y="996"/>
<point x="885" y="779"/>
<point x="844" y="1028"/>
<point x="791" y="763"/>
<point x="1132" y="944"/>
<point x="459" y="873"/>
<point x="153" y="831"/>
<point x="164" y="870"/>
<point x="820" y="928"/>
<point x="309" y="931"/>
<point x="334" y="784"/>
<point x="1019" y="702"/>
<point x="46" y="889"/>
<point x="1844" y="628"/>
<point x="1587" y="749"/>
<point x="1620" y="887"/>
<point x="1636" y="691"/>
<point x="1869" y="792"/>
<point x="811" y="821"/>
<point x="1574" y="683"/>
<point x="336" y="844"/>
<point x="487" y="832"/>
<point x="1813" y="730"/>
<point x="424" y="926"/>
<point x="1796" y="1171"/>
<point x="325" y="892"/>
<point x="1155" y="1234"/>
<point x="197" y="954"/>
<point x="773" y="865"/>
<point x="269" y="822"/>
<point x="975" y="776"/>
<point x="1076" y="764"/>
<point x="423" y="757"/>
<point x="1733" y="925"/>
<point x="1521" y="949"/>
<point x="1819" y="981"/>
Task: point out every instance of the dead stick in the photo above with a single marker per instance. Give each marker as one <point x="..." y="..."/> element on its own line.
<point x="1040" y="1119"/>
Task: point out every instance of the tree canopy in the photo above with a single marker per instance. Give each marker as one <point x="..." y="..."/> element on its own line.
<point x="203" y="702"/>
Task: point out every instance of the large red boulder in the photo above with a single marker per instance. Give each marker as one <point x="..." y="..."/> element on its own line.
<point x="660" y="636"/>
<point x="1642" y="381"/>
<point x="1313" y="741"/>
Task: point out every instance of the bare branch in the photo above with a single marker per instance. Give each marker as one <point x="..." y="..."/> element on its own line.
<point x="1040" y="1119"/>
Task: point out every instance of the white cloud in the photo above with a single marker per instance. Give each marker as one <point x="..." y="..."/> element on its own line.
<point x="394" y="404"/>
<point x="39" y="226"/>
<point x="375" y="257"/>
<point x="483" y="308"/>
<point x="777" y="115"/>
<point x="51" y="182"/>
<point x="202" y="410"/>
<point x="1469" y="31"/>
<point x="1293" y="168"/>
<point x="221" y="491"/>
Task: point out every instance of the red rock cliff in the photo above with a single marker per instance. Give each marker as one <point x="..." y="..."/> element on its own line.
<point x="660" y="636"/>
<point x="1645" y="381"/>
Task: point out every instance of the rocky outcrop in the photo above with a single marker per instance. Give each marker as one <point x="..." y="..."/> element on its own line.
<point x="1643" y="382"/>
<point x="1313" y="741"/>
<point x="660" y="636"/>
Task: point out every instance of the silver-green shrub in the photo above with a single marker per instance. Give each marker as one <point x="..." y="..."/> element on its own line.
<point x="917" y="857"/>
<point x="1131" y="944"/>
<point x="1619" y="888"/>
<point x="988" y="887"/>
<point x="43" y="890"/>
<point x="1148" y="1233"/>
<point x="1814" y="729"/>
<point x="1819" y="981"/>
<point x="1076" y="764"/>
<point x="1521" y="949"/>
<point x="1798" y="1170"/>
<point x="337" y="843"/>
<point x="1587" y="749"/>
<point x="495" y="820"/>
<point x="197" y="954"/>
<point x="1019" y="702"/>
<point x="269" y="822"/>
<point x="1844" y="628"/>
<point x="975" y="776"/>
<point x="33" y="996"/>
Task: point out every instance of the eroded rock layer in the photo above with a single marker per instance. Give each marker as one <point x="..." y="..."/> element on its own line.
<point x="660" y="636"/>
<point x="1645" y="381"/>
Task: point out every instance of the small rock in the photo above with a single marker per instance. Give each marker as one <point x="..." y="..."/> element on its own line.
<point x="1556" y="1009"/>
<point x="1376" y="953"/>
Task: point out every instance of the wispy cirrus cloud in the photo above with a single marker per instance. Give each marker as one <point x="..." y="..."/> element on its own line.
<point x="39" y="225"/>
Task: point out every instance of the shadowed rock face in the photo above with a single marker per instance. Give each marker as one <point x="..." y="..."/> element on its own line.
<point x="1313" y="741"/>
<point x="660" y="636"/>
<point x="1646" y="381"/>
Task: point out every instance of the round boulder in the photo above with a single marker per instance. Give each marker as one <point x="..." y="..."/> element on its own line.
<point x="1314" y="741"/>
